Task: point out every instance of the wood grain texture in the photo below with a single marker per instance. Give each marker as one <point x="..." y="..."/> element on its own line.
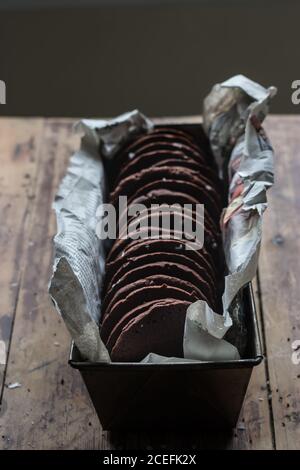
<point x="279" y="280"/>
<point x="19" y="144"/>
<point x="39" y="342"/>
<point x="52" y="410"/>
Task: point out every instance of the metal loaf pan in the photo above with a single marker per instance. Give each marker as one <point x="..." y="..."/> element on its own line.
<point x="134" y="396"/>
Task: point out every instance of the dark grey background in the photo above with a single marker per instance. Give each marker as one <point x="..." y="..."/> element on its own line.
<point x="159" y="56"/>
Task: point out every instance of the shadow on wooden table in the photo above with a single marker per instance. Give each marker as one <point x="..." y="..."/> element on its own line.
<point x="172" y="440"/>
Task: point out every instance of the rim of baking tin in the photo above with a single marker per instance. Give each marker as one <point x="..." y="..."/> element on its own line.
<point x="236" y="364"/>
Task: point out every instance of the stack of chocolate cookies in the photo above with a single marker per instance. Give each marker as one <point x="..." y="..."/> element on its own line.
<point x="151" y="281"/>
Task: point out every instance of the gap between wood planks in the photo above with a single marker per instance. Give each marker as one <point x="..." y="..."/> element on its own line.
<point x="265" y="353"/>
<point x="35" y="131"/>
<point x="9" y="341"/>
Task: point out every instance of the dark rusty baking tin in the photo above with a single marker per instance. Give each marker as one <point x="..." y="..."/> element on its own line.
<point x="145" y="396"/>
<point x="166" y="396"/>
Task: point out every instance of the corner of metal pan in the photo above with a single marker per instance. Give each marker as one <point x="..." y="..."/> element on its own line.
<point x="258" y="353"/>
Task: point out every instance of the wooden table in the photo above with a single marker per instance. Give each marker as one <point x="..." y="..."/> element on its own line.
<point x="51" y="409"/>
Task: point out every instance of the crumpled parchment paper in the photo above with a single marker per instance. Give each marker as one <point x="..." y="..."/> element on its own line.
<point x="232" y="117"/>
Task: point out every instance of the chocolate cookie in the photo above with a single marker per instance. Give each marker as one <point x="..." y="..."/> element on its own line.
<point x="154" y="270"/>
<point x="210" y="243"/>
<point x="120" y="310"/>
<point x="199" y="273"/>
<point x="136" y="182"/>
<point x="156" y="280"/>
<point x="202" y="258"/>
<point x="159" y="329"/>
<point x="162" y="136"/>
<point x="154" y="159"/>
<point x="158" y="268"/>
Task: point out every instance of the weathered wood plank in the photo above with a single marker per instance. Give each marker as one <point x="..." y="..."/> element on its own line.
<point x="19" y="144"/>
<point x="38" y="413"/>
<point x="257" y="406"/>
<point x="279" y="280"/>
<point x="52" y="409"/>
